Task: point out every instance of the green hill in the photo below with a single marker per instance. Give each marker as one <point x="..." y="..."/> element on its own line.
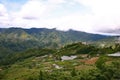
<point x="18" y="39"/>
<point x="45" y="64"/>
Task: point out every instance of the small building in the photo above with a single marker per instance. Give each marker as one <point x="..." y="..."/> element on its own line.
<point x="68" y="58"/>
<point x="114" y="55"/>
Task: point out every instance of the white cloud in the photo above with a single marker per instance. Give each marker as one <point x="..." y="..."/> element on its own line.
<point x="2" y="10"/>
<point x="4" y="17"/>
<point x="106" y="13"/>
<point x="101" y="15"/>
<point x="33" y="8"/>
<point x="56" y="1"/>
<point x="72" y="21"/>
<point x="35" y="13"/>
<point x="28" y="14"/>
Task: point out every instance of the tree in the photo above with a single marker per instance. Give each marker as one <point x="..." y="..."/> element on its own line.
<point x="73" y="72"/>
<point x="41" y="75"/>
<point x="101" y="62"/>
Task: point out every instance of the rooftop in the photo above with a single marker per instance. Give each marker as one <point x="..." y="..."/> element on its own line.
<point x="115" y="54"/>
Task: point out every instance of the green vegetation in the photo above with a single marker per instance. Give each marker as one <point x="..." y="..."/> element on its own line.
<point x="46" y="64"/>
<point x="14" y="40"/>
<point x="12" y="58"/>
<point x="35" y="54"/>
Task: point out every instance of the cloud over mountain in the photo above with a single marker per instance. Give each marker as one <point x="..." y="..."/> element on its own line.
<point x="97" y="16"/>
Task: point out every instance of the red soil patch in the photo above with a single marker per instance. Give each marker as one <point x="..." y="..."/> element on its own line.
<point x="90" y="61"/>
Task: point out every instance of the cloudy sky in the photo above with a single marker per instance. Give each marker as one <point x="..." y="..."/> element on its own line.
<point x="96" y="16"/>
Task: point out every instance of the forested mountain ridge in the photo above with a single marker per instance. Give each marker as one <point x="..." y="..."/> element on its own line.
<point x="19" y="39"/>
<point x="46" y="36"/>
<point x="44" y="33"/>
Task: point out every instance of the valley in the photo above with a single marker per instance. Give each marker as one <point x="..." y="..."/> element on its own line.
<point x="59" y="39"/>
<point x="23" y="57"/>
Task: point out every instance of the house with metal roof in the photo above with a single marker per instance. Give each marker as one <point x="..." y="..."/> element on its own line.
<point x="117" y="54"/>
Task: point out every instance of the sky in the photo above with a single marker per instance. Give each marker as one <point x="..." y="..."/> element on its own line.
<point x="94" y="16"/>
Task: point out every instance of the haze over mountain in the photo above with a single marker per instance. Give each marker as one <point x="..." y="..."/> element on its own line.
<point x="59" y="39"/>
<point x="19" y="39"/>
<point x="94" y="16"/>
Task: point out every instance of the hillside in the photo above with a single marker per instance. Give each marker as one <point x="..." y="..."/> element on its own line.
<point x="19" y="39"/>
<point x="42" y="54"/>
<point x="41" y="34"/>
<point x="47" y="64"/>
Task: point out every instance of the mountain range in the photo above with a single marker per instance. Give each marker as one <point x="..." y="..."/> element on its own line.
<point x="19" y="39"/>
<point x="42" y="54"/>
